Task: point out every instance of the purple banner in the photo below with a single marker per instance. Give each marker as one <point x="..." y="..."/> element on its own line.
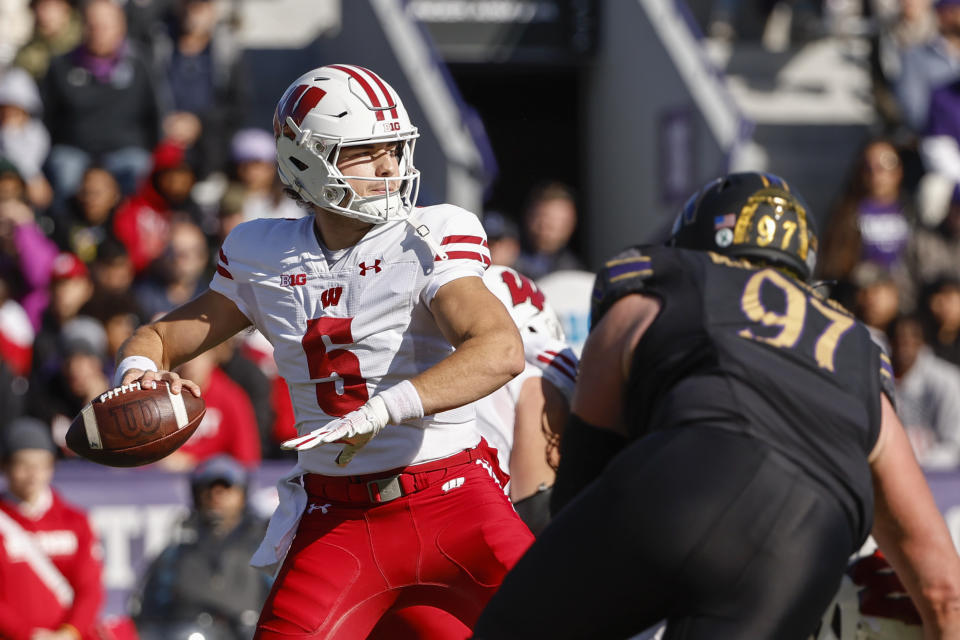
<point x="134" y="512"/>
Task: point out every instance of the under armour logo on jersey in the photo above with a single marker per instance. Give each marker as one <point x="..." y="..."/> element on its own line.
<point x="292" y="279"/>
<point x="375" y="266"/>
<point x="456" y="483"/>
<point x="313" y="507"/>
<point x="331" y="297"/>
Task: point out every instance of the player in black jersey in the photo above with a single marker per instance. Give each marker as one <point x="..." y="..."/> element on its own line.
<point x="732" y="441"/>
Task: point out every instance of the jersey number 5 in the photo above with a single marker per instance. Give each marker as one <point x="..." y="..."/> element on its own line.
<point x="792" y="318"/>
<point x="340" y="364"/>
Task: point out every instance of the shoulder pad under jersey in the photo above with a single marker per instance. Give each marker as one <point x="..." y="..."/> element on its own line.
<point x="621" y="275"/>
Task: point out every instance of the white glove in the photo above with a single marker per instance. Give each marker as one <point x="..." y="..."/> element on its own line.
<point x="354" y="430"/>
<point x="555" y="358"/>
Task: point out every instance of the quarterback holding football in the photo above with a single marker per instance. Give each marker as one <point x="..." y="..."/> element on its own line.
<point x="385" y="333"/>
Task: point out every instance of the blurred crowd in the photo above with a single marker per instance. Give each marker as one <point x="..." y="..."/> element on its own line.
<point x="123" y="164"/>
<point x="125" y="161"/>
<point x="890" y="242"/>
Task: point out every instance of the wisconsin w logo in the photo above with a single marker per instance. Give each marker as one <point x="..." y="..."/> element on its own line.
<point x="522" y="289"/>
<point x="331" y="297"/>
<point x="296" y="104"/>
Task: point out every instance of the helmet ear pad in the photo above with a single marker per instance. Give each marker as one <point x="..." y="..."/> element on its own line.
<point x="334" y="194"/>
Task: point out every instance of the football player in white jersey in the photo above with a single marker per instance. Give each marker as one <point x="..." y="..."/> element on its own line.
<point x="385" y="333"/>
<point x="524" y="418"/>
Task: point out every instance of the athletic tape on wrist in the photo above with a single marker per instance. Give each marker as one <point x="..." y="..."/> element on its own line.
<point x="402" y="402"/>
<point x="132" y="362"/>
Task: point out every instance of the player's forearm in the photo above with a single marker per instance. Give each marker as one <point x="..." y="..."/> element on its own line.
<point x="147" y="343"/>
<point x="479" y="366"/>
<point x="911" y="532"/>
<point x="913" y="536"/>
<point x="922" y="560"/>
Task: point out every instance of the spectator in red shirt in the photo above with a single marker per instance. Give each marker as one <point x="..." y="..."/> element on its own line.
<point x="142" y="221"/>
<point x="50" y="584"/>
<point x="229" y="425"/>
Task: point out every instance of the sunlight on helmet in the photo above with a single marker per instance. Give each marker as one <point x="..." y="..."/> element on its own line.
<point x="335" y="108"/>
<point x="750" y="215"/>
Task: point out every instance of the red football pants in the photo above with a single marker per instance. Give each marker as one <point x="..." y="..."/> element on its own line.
<point x="446" y="547"/>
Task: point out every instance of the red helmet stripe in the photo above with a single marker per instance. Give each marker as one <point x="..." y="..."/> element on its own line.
<point x="308" y="101"/>
<point x="386" y="92"/>
<point x="363" y="85"/>
<point x="298" y="104"/>
<point x="287" y="105"/>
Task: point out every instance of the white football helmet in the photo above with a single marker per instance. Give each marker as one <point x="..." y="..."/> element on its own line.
<point x="525" y="302"/>
<point x="336" y="106"/>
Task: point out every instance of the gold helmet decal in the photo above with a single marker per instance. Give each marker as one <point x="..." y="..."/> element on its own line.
<point x="773" y="217"/>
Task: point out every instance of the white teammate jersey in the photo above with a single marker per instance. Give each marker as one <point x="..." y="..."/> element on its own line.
<point x="497" y="412"/>
<point x="343" y="331"/>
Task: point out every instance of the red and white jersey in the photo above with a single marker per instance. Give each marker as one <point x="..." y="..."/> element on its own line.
<point x="543" y="341"/>
<point x="343" y="331"/>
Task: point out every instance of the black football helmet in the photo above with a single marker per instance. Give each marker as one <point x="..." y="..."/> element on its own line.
<point x="750" y="215"/>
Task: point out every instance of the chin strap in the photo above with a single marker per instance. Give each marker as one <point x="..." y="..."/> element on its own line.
<point x="423" y="232"/>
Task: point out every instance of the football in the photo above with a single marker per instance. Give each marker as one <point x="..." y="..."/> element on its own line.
<point x="130" y="426"/>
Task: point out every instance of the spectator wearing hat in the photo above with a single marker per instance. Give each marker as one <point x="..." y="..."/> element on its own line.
<point x="70" y="289"/>
<point x="23" y="138"/>
<point x="101" y="105"/>
<point x="26" y="254"/>
<point x="256" y="189"/>
<point x="503" y="238"/>
<point x="205" y="575"/>
<point x="15" y="27"/>
<point x="56" y="30"/>
<point x="142" y="221"/>
<point x="57" y="396"/>
<point x="50" y="571"/>
<point x="928" y="66"/>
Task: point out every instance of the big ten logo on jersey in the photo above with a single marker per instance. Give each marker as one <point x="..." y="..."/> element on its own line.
<point x="331" y="297"/>
<point x="293" y="279"/>
<point x="522" y="289"/>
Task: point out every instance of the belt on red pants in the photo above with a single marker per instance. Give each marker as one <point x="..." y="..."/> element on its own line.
<point x="377" y="488"/>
